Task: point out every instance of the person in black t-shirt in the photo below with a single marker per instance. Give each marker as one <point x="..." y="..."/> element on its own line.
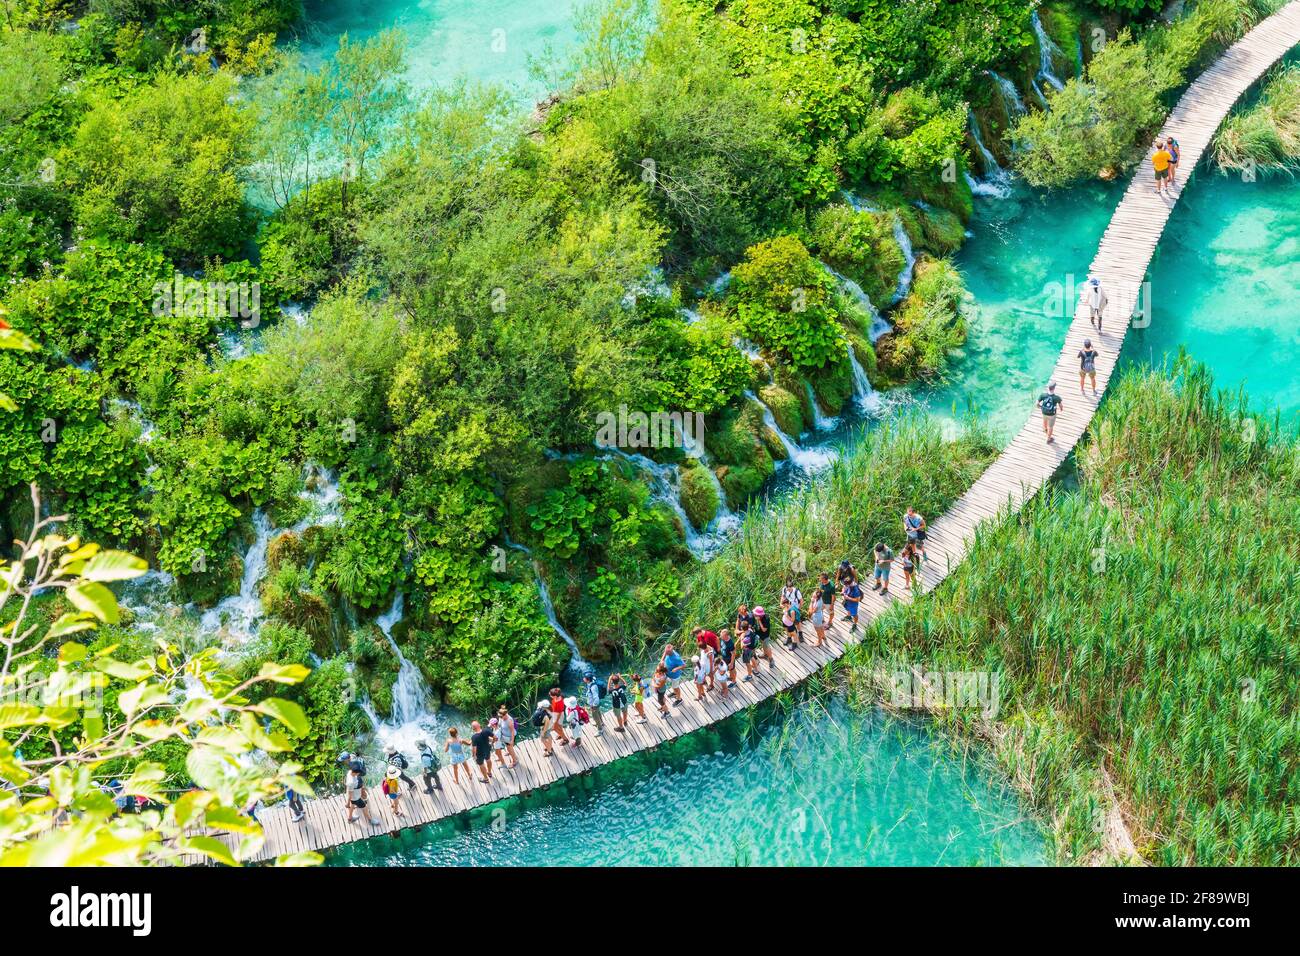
<point x="1049" y="402"/>
<point x="481" y="740"/>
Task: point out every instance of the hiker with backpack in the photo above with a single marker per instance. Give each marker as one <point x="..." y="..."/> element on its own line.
<point x="852" y="592"/>
<point x="542" y="721"/>
<point x="845" y="574"/>
<point x="595" y="691"/>
<point x="617" y="690"/>
<point x="396" y="759"/>
<point x="748" y="651"/>
<point x="354" y="792"/>
<point x="574" y="718"/>
<point x="700" y="668"/>
<point x="790" y="614"/>
<point x="428" y="766"/>
<point x="392" y="787"/>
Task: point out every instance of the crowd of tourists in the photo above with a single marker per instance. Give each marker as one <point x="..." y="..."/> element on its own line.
<point x="719" y="660"/>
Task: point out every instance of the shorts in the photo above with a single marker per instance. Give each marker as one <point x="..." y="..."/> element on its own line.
<point x="359" y="804"/>
<point x="851" y="608"/>
<point x="481" y="759"/>
<point x="882" y="573"/>
<point x="458" y="758"/>
<point x="1048" y="416"/>
<point x="661" y="694"/>
<point x="1162" y="174"/>
<point x="747" y="655"/>
<point x="392" y="796"/>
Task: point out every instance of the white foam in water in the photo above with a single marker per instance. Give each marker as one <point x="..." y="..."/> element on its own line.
<point x="410" y="718"/>
<point x="879" y="325"/>
<point x="321" y="491"/>
<point x="1011" y="100"/>
<point x="239" y="615"/>
<point x="1045" y="50"/>
<point x="868" y="398"/>
<point x="821" y="422"/>
<point x="997" y="181"/>
<point x="904" y="241"/>
<point x="807" y="460"/>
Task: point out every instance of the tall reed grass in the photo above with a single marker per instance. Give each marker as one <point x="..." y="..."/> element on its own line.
<point x="1146" y="629"/>
<point x="1264" y="136"/>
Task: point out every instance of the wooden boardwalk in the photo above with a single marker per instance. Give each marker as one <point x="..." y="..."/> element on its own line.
<point x="1023" y="467"/>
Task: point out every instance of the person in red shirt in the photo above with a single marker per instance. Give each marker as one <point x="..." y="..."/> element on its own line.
<point x="705" y="638"/>
<point x="557" y="715"/>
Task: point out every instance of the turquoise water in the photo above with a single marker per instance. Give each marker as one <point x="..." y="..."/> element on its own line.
<point x="823" y="785"/>
<point x="488" y="40"/>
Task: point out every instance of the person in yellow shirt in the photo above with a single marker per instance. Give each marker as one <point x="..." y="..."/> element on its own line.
<point x="1160" y="161"/>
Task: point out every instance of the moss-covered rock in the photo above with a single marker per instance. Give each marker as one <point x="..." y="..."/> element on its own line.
<point x="942" y="231"/>
<point x="927" y="326"/>
<point x="866" y="356"/>
<point x="741" y="483"/>
<point x="860" y="244"/>
<point x="699" y="495"/>
<point x="786" y="408"/>
<point x="376" y="666"/>
<point x="738" y="440"/>
<point x="833" y="385"/>
<point x="285" y="548"/>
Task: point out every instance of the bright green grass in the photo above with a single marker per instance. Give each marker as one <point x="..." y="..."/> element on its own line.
<point x="1145" y="624"/>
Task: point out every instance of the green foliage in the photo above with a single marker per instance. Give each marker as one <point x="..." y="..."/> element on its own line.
<point x="860" y="245"/>
<point x="927" y="326"/>
<point x="1266" y="135"/>
<point x="699" y="496"/>
<point x="783" y="298"/>
<point x="365" y="566"/>
<point x="161" y="164"/>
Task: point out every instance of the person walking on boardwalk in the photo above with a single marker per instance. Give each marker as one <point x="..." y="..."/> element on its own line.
<point x="790" y="622"/>
<point x="480" y="739"/>
<point x="660" y="686"/>
<point x="542" y="721"/>
<point x="595" y="691"/>
<point x="1160" y="161"/>
<point x="915" y="528"/>
<point x="700" y="669"/>
<point x="355" y="797"/>
<point x="721" y="679"/>
<point x="827" y="591"/>
<point x="616" y="687"/>
<point x="744" y="618"/>
<point x="507" y="731"/>
<point x="1095" y="296"/>
<point x="454" y="747"/>
<point x="908" y="557"/>
<point x="1088" y="365"/>
<point x="727" y="654"/>
<point x="676" y="668"/>
<point x="392" y="787"/>
<point x="884" y="561"/>
<point x="573" y="719"/>
<point x="817" y="613"/>
<point x="1175" y="153"/>
<point x="1050" y="403"/>
<point x="852" y="596"/>
<point x="640" y="687"/>
<point x="296" y="811"/>
<point x="557" y="715"/>
<point x="396" y="759"/>
<point x="763" y="636"/>
<point x="428" y="766"/>
<point x="792" y="593"/>
<point x="845" y="573"/>
<point x="748" y="652"/>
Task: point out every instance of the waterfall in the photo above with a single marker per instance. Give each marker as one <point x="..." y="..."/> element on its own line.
<point x="808" y="460"/>
<point x="879" y="326"/>
<point x="1011" y="100"/>
<point x="690" y="316"/>
<point x="1046" y="47"/>
<point x="909" y="260"/>
<point x="239" y="614"/>
<point x="996" y="181"/>
<point x="321" y="491"/>
<point x="868" y="398"/>
<point x="749" y="349"/>
<point x="904" y="275"/>
<point x="410" y="717"/>
<point x="577" y="663"/>
<point x="821" y="423"/>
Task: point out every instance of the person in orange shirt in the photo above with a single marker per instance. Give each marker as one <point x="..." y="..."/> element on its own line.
<point x="1160" y="161"/>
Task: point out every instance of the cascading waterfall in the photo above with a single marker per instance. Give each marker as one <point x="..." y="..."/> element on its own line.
<point x="410" y="717"/>
<point x="1011" y="100"/>
<point x="821" y="422"/>
<point x="240" y="614"/>
<point x="879" y="325"/>
<point x="909" y="260"/>
<point x="321" y="491"/>
<point x="807" y="460"/>
<point x="577" y="663"/>
<point x="1046" y="47"/>
<point x="996" y="181"/>
<point x="868" y="398"/>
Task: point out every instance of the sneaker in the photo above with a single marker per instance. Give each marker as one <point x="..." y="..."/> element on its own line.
<point x="747" y="678"/>
<point x="620" y="730"/>
<point x="643" y="720"/>
<point x="298" y="817"/>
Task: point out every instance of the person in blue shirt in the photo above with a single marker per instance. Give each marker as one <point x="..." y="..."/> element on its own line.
<point x="673" y="662"/>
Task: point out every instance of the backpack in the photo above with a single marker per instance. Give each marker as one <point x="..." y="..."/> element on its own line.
<point x="600" y="689"/>
<point x="398" y="761"/>
<point x="539" y="716"/>
<point x="583" y="716"/>
<point x="796" y="612"/>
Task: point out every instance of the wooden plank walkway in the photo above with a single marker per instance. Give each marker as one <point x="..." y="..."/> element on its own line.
<point x="1023" y="467"/>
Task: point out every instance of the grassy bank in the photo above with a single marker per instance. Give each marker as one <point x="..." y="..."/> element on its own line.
<point x="1143" y="628"/>
<point x="860" y="501"/>
<point x="1264" y="136"/>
